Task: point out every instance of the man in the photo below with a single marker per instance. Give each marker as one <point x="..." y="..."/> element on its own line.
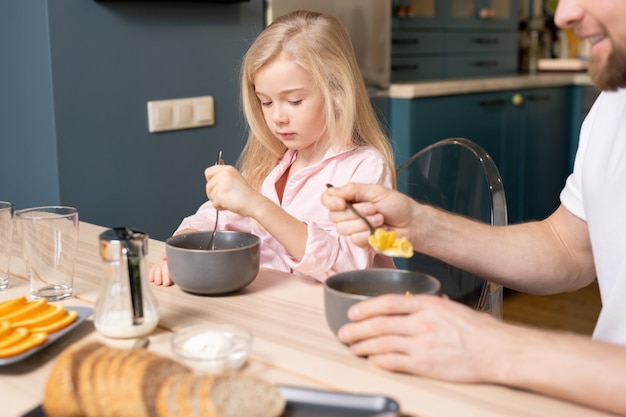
<point x="583" y="239"/>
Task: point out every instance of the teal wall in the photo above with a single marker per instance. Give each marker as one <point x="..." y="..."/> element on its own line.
<point x="75" y="78"/>
<point x="28" y="159"/>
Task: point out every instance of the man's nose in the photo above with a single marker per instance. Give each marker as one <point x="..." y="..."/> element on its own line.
<point x="568" y="12"/>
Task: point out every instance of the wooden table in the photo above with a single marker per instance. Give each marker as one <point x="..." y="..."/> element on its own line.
<point x="292" y="344"/>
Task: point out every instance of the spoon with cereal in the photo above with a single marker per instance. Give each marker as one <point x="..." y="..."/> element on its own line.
<point x="384" y="241"/>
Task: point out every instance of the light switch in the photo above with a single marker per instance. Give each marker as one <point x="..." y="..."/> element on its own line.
<point x="203" y="111"/>
<point x="163" y="116"/>
<point x="182" y="113"/>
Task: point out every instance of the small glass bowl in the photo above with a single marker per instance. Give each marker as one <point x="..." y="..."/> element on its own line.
<point x="212" y="348"/>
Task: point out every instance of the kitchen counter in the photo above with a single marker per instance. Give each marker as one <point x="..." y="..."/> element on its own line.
<point x="481" y="85"/>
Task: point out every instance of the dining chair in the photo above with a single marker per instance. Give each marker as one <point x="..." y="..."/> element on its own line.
<point x="457" y="175"/>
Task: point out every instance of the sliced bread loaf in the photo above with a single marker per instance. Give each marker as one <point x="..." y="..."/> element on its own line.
<point x="60" y="393"/>
<point x="94" y="380"/>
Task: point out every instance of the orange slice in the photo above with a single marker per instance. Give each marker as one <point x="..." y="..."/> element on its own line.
<point x="50" y="314"/>
<point x="10" y="305"/>
<point x="25" y="310"/>
<point x="65" y="320"/>
<point x="13" y="337"/>
<point x="388" y="243"/>
<point x="30" y="341"/>
<point x="5" y="328"/>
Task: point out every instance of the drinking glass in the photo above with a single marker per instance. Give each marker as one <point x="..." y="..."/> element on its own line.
<point x="49" y="238"/>
<point x="6" y="241"/>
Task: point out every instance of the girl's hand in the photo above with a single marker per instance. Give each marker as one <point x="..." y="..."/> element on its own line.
<point x="228" y="190"/>
<point x="160" y="273"/>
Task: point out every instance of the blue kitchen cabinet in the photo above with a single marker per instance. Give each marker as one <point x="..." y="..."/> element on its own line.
<point x="545" y="149"/>
<point x="422" y="14"/>
<point x="525" y="132"/>
<point x="453" y="39"/>
<point x="455" y="14"/>
<point x="483" y="14"/>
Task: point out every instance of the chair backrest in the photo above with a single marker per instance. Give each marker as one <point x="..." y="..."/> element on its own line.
<point x="459" y="176"/>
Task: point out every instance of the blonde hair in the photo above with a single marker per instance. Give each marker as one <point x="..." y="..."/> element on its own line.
<point x="319" y="44"/>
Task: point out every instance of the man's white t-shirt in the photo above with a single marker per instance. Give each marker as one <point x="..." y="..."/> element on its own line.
<point x="596" y="192"/>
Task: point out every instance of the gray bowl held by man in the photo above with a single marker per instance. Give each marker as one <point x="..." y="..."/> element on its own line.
<point x="345" y="289"/>
<point x="229" y="267"/>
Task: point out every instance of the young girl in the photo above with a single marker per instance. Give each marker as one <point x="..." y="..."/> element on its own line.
<point x="311" y="123"/>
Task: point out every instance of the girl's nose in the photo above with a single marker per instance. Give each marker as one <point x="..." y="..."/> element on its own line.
<point x="568" y="12"/>
<point x="278" y="115"/>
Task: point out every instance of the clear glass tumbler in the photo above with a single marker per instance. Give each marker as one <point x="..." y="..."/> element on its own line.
<point x="49" y="239"/>
<point x="6" y="242"/>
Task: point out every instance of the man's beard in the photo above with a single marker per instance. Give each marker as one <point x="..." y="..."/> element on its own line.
<point x="613" y="75"/>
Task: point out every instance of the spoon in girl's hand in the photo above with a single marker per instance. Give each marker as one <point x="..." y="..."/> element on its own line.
<point x="211" y="245"/>
<point x="383" y="241"/>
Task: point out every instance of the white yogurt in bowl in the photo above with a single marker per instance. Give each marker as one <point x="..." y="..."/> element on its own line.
<point x="212" y="348"/>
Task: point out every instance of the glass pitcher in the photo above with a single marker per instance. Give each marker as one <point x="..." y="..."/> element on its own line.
<point x="126" y="306"/>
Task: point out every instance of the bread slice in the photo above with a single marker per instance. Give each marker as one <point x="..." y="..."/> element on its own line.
<point x="196" y="397"/>
<point x="86" y="382"/>
<point x="203" y="396"/>
<point x="165" y="402"/>
<point x="156" y="372"/>
<point x="225" y="395"/>
<point x="100" y="383"/>
<point x="113" y="374"/>
<point x="175" y="396"/>
<point x="60" y="393"/>
<point x="237" y="395"/>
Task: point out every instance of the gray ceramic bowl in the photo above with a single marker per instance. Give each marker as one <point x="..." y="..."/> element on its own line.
<point x="343" y="290"/>
<point x="232" y="265"/>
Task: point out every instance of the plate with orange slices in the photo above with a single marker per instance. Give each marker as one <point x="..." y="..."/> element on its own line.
<point x="26" y="327"/>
